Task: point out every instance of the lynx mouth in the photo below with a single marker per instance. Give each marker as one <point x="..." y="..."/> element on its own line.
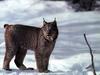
<point x="49" y="38"/>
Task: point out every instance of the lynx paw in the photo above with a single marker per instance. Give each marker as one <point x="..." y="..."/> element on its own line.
<point x="29" y="68"/>
<point x="7" y="69"/>
<point x="22" y="67"/>
<point x="47" y="71"/>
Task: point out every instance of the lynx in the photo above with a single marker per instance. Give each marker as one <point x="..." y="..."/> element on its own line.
<point x="20" y="38"/>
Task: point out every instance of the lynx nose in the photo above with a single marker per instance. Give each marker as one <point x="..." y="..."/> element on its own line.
<point x="48" y="34"/>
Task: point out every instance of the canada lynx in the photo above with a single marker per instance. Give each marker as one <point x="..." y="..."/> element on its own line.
<point x="19" y="38"/>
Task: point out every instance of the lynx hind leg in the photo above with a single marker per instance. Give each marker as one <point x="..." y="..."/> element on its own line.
<point x="19" y="58"/>
<point x="9" y="54"/>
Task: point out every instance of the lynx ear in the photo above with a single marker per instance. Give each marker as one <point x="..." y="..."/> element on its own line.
<point x="55" y="21"/>
<point x="44" y="22"/>
<point x="5" y="25"/>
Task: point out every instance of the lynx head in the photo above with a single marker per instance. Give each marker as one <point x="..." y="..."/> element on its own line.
<point x="50" y="30"/>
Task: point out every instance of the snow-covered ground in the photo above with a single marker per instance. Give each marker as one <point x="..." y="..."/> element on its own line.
<point x="71" y="54"/>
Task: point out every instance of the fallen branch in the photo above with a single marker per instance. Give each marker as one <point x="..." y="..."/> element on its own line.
<point x="91" y="53"/>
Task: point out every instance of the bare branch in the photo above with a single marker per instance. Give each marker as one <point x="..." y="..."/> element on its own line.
<point x="91" y="53"/>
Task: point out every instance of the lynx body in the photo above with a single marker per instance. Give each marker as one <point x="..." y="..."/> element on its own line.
<point x="19" y="38"/>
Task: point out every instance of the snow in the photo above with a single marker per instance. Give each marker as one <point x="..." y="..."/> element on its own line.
<point x="70" y="66"/>
<point x="2" y="44"/>
<point x="71" y="54"/>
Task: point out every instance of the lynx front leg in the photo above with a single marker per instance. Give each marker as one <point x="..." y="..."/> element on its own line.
<point x="46" y="62"/>
<point x="46" y="55"/>
<point x="39" y="61"/>
<point x="42" y="61"/>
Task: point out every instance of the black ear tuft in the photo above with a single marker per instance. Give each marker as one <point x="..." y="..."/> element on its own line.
<point x="55" y="21"/>
<point x="5" y="25"/>
<point x="44" y="22"/>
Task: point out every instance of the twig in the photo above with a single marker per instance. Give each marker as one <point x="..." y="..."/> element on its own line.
<point x="91" y="53"/>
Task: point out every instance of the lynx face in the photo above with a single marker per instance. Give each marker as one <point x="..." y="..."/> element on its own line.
<point x="49" y="29"/>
